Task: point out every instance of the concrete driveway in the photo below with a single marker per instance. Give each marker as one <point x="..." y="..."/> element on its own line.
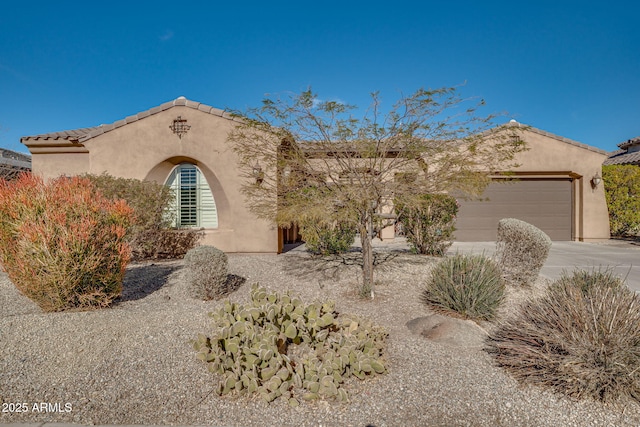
<point x="623" y="257"/>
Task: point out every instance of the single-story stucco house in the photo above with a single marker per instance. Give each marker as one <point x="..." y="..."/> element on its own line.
<point x="184" y="144"/>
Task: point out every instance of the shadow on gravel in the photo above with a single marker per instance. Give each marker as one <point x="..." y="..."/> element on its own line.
<point x="232" y="284"/>
<point x="333" y="267"/>
<point x="145" y="280"/>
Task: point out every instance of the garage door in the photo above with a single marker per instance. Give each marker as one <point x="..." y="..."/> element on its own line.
<point x="543" y="203"/>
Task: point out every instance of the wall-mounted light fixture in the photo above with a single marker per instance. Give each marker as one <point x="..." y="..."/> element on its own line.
<point x="257" y="173"/>
<point x="596" y="180"/>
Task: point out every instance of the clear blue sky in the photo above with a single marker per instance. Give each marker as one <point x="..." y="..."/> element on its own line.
<point x="570" y="68"/>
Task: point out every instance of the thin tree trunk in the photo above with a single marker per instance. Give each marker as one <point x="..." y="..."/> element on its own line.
<point x="367" y="261"/>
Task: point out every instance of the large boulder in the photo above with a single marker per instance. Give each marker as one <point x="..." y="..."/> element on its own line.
<point x="448" y="330"/>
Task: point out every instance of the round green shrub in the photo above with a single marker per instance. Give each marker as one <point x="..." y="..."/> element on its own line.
<point x="521" y="250"/>
<point x="324" y="238"/>
<point x="428" y="222"/>
<point x="469" y="286"/>
<point x="150" y="236"/>
<point x="279" y="347"/>
<point x="206" y="272"/>
<point x="582" y="339"/>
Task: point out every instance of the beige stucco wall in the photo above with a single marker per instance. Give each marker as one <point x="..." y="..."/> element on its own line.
<point x="148" y="149"/>
<point x="54" y="164"/>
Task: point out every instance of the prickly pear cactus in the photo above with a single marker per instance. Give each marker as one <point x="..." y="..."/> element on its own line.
<point x="278" y="346"/>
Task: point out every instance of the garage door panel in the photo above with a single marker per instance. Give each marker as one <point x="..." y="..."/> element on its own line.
<point x="543" y="203"/>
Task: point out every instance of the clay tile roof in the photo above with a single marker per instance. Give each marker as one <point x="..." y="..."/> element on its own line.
<point x="83" y="134"/>
<point x="71" y="135"/>
<point x="622" y="157"/>
<point x="10" y="158"/>
<point x="629" y="153"/>
<point x="307" y="147"/>
<point x="629" y="143"/>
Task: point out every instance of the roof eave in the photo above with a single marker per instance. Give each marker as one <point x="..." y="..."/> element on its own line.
<point x="79" y="136"/>
<point x="558" y="137"/>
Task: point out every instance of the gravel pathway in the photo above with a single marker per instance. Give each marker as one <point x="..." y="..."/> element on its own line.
<point x="133" y="364"/>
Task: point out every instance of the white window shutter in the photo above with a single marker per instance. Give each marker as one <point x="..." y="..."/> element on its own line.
<point x="172" y="183"/>
<point x="207" y="212"/>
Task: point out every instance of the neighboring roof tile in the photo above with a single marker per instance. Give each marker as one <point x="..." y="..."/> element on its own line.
<point x="622" y="157"/>
<point x="14" y="155"/>
<point x="630" y="142"/>
<point x="12" y="163"/>
<point x="627" y="155"/>
<point x="84" y="134"/>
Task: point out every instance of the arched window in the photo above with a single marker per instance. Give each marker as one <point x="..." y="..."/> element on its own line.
<point x="194" y="205"/>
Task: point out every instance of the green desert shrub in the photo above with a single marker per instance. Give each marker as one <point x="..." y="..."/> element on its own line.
<point x="279" y="347"/>
<point x="62" y="243"/>
<point x="582" y="338"/>
<point x="428" y="222"/>
<point x="622" y="191"/>
<point x="325" y="238"/>
<point x="150" y="235"/>
<point x="588" y="279"/>
<point x="521" y="250"/>
<point x="469" y="286"/>
<point x="326" y="225"/>
<point x="165" y="243"/>
<point x="206" y="269"/>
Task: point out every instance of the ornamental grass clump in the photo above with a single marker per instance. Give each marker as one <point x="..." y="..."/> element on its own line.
<point x="279" y="347"/>
<point x="588" y="279"/>
<point x="582" y="339"/>
<point x="62" y="243"/>
<point x="469" y="286"/>
<point x="521" y="250"/>
<point x="207" y="272"/>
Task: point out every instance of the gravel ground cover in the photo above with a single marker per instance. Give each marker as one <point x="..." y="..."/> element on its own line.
<point x="133" y="363"/>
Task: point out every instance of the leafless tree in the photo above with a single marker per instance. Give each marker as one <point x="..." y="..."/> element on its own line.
<point x="304" y="157"/>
